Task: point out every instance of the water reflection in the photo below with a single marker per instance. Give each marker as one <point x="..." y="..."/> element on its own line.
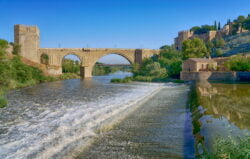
<point x="219" y="110"/>
<point x="231" y="101"/>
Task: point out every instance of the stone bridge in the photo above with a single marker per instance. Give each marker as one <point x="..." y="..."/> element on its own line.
<point x="29" y="39"/>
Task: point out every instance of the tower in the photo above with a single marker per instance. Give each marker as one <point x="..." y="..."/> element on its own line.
<point x="29" y="39"/>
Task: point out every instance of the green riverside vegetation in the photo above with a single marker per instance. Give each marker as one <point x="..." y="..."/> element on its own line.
<point x="238" y="63"/>
<point x="100" y="69"/>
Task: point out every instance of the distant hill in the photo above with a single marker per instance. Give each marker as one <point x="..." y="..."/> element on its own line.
<point x="235" y="44"/>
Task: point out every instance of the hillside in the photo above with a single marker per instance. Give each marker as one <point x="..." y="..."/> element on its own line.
<point x="235" y="44"/>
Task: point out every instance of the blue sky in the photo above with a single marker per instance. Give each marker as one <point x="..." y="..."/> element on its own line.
<point x="114" y="23"/>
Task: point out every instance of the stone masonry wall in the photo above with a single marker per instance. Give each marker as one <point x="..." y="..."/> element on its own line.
<point x="212" y="76"/>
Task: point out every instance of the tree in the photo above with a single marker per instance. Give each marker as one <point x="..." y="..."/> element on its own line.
<point x="155" y="70"/>
<point x="219" y="42"/>
<point x="215" y="25"/>
<point x="240" y="19"/>
<point x="218" y="52"/>
<point x="209" y="46"/>
<point x="219" y="27"/>
<point x="194" y="48"/>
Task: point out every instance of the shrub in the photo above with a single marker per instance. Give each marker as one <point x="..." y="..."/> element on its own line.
<point x="16" y="48"/>
<point x="118" y="80"/>
<point x="238" y="63"/>
<point x="66" y="76"/>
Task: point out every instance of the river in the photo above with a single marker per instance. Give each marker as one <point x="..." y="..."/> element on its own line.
<point x="94" y="118"/>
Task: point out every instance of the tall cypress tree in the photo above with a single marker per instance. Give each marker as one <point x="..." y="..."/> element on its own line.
<point x="215" y="25"/>
<point x="219" y="26"/>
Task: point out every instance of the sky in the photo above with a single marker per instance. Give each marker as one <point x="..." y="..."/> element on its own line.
<point x="114" y="23"/>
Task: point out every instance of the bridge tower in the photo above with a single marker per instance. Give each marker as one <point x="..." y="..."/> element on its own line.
<point x="29" y="39"/>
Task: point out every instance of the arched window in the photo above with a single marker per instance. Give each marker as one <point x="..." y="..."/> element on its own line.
<point x="44" y="59"/>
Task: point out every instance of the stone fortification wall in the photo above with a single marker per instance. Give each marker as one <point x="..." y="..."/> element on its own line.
<point x="212" y="76"/>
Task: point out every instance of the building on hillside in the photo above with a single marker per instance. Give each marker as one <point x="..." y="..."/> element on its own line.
<point x="210" y="35"/>
<point x="199" y="64"/>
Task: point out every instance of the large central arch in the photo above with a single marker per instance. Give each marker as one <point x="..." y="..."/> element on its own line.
<point x="99" y="70"/>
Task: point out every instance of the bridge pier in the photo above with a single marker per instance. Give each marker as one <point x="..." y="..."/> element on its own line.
<point x="86" y="71"/>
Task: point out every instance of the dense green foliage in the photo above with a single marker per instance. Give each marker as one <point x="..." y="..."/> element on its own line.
<point x="168" y="63"/>
<point x="241" y="21"/>
<point x="203" y="29"/>
<point x="193" y="48"/>
<point x="14" y="73"/>
<point x="238" y="63"/>
<point x="159" y="67"/>
<point x="70" y="66"/>
<point x="124" y="80"/>
<point x="99" y="70"/>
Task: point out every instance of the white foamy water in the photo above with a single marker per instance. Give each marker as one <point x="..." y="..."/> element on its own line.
<point x="50" y="120"/>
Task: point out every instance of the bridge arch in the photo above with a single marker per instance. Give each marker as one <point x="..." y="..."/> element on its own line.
<point x="71" y="63"/>
<point x="119" y="54"/>
<point x="96" y="69"/>
<point x="73" y="54"/>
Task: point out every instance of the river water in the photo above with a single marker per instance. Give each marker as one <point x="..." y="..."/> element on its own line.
<point x="221" y="110"/>
<point x="93" y="117"/>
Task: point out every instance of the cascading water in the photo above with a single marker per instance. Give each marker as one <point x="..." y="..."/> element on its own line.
<point x="51" y="119"/>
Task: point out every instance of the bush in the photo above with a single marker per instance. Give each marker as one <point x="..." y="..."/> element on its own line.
<point x="67" y="76"/>
<point x="238" y="63"/>
<point x="16" y="48"/>
<point x="118" y="80"/>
